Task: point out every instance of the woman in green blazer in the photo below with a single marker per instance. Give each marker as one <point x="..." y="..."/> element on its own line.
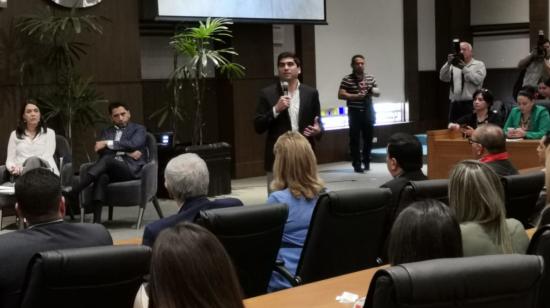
<point x="527" y="120"/>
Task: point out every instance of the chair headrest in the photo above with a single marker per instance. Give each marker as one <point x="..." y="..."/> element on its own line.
<point x="356" y="201"/>
<point x="85" y="265"/>
<point x="532" y="181"/>
<point x="244" y="219"/>
<point x="431" y="188"/>
<point x="470" y="278"/>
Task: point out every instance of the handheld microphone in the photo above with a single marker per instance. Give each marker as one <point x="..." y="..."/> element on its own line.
<point x="284" y="87"/>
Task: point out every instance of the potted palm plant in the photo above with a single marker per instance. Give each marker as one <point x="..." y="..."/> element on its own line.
<point x="53" y="49"/>
<point x="201" y="48"/>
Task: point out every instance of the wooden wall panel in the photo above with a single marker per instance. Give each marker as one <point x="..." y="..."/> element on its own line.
<point x="113" y="60"/>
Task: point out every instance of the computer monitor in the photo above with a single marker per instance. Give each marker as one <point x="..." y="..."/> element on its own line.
<point x="164" y="139"/>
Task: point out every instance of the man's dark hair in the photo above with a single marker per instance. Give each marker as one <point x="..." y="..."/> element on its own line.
<point x="355" y="57"/>
<point x="114" y="105"/>
<point x="289" y="54"/>
<point x="491" y="137"/>
<point x="38" y="192"/>
<point x="407" y="151"/>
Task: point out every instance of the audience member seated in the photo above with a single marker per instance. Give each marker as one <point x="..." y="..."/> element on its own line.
<point x="296" y="183"/>
<point x="41" y="206"/>
<point x="186" y="180"/>
<point x="527" y="120"/>
<point x="477" y="197"/>
<point x="122" y="153"/>
<point x="483" y="100"/>
<point x="424" y="230"/>
<point x="543" y="92"/>
<point x="404" y="162"/>
<point x="31" y="144"/>
<point x="489" y="146"/>
<point x="544" y="160"/>
<point x="190" y="268"/>
<point x="543" y="148"/>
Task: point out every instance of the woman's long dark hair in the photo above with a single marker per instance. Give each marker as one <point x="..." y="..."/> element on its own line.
<point x="424" y="230"/>
<point x="22" y="125"/>
<point x="190" y="268"/>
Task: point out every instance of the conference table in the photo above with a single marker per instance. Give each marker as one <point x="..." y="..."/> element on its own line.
<point x="446" y="148"/>
<point x="320" y="294"/>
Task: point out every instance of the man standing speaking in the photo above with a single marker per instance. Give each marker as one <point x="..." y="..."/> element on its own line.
<point x="287" y="105"/>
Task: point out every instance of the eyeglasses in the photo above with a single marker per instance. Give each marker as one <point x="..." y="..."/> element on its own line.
<point x="472" y="141"/>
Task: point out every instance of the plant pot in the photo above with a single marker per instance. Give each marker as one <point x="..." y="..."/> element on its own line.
<point x="218" y="160"/>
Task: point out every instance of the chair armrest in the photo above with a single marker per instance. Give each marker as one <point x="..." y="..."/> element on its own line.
<point x="66" y="174"/>
<point x="281" y="269"/>
<point x="4" y="174"/>
<point x="85" y="196"/>
<point x="149" y="181"/>
<point x="84" y="168"/>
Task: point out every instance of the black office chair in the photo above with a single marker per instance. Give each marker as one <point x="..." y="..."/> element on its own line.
<point x="252" y="237"/>
<point x="420" y="190"/>
<point x="129" y="193"/>
<point x="521" y="195"/>
<point x="540" y="245"/>
<point x="64" y="159"/>
<point x="106" y="276"/>
<point x="472" y="282"/>
<point x="347" y="233"/>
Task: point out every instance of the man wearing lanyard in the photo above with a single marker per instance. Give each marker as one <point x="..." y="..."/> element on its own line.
<point x="465" y="75"/>
<point x="358" y="89"/>
<point x="122" y="154"/>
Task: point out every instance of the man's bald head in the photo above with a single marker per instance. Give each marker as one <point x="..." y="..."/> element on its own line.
<point x="491" y="137"/>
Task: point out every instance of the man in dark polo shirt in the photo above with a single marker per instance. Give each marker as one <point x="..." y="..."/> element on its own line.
<point x="357" y="89"/>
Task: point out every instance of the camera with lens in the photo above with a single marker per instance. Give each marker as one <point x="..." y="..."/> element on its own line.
<point x="541" y="51"/>
<point x="457" y="55"/>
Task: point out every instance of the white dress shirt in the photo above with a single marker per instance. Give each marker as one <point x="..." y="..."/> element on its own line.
<point x="42" y="146"/>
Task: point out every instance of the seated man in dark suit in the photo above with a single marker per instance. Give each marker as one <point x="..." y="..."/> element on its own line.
<point x="41" y="206"/>
<point x="404" y="162"/>
<point x="122" y="154"/>
<point x="489" y="146"/>
<point x="186" y="179"/>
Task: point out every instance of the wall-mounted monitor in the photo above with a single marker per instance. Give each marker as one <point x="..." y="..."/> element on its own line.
<point x="263" y="11"/>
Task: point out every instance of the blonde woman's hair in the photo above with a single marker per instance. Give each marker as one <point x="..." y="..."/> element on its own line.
<point x="295" y="166"/>
<point x="476" y="195"/>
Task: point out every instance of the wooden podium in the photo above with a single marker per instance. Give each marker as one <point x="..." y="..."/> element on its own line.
<point x="446" y="148"/>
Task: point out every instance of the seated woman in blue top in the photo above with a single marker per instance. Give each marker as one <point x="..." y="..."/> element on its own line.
<point x="527" y="120"/>
<point x="296" y="183"/>
<point x="483" y="100"/>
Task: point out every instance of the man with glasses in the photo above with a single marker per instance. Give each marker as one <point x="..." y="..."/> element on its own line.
<point x="489" y="146"/>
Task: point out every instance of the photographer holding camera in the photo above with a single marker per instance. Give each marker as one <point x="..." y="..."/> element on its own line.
<point x="465" y="75"/>
<point x="537" y="63"/>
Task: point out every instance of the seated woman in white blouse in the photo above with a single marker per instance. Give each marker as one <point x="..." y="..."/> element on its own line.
<point x="31" y="144"/>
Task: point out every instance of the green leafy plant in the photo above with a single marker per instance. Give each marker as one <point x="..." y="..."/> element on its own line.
<point x="53" y="49"/>
<point x="200" y="47"/>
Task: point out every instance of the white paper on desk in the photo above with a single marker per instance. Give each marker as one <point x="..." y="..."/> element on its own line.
<point x="514" y="139"/>
<point x="7" y="189"/>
